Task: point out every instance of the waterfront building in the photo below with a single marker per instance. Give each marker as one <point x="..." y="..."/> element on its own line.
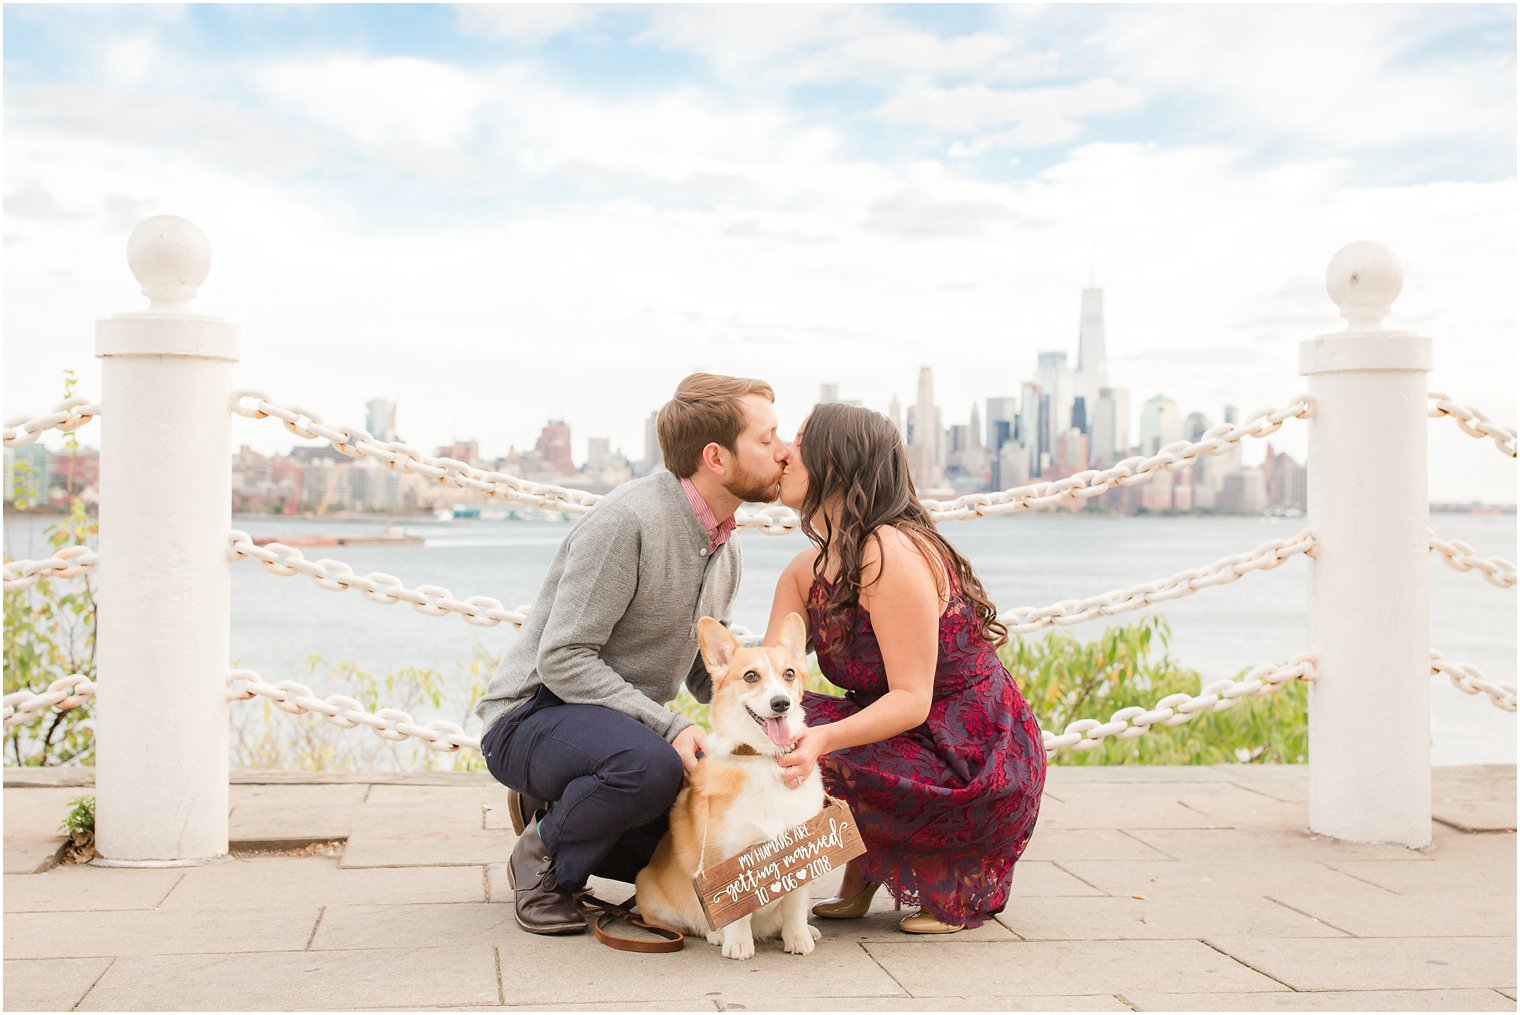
<point x="598" y="453"/>
<point x="380" y="419"/>
<point x="1092" y="353"/>
<point x="1286" y="482"/>
<point x="1109" y="432"/>
<point x="461" y="451"/>
<point x="1160" y="424"/>
<point x="1029" y="426"/>
<point x="926" y="455"/>
<point x="1055" y="380"/>
<point x="31" y="467"/>
<point x="1000" y="410"/>
<point x="1070" y="454"/>
<point x="654" y="458"/>
<point x="1010" y="466"/>
<point x="553" y="448"/>
<point x="1244" y="492"/>
<point x="372" y="487"/>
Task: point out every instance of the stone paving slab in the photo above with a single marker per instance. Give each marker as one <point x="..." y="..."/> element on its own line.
<point x="153" y="932"/>
<point x="410" y="841"/>
<point x="545" y="970"/>
<point x="1328" y="1000"/>
<point x="1120" y="805"/>
<point x="270" y="812"/>
<point x="32" y="836"/>
<point x="1056" y="967"/>
<point x="1477" y="873"/>
<point x="1104" y="918"/>
<point x="1088" y="844"/>
<point x="275" y="882"/>
<point x="49" y="984"/>
<point x="1262" y="844"/>
<point x="963" y="1002"/>
<point x="299" y="980"/>
<point x="1376" y="912"/>
<point x="1476" y="815"/>
<point x="1198" y="878"/>
<point x="1409" y="963"/>
<point x="75" y="888"/>
<point x="446" y="924"/>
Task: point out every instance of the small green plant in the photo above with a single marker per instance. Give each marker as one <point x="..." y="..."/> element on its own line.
<point x="79" y="823"/>
<point x="50" y="633"/>
<point x="265" y="738"/>
<point x="1064" y="679"/>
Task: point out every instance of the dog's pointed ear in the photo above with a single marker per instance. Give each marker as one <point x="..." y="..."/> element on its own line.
<point x="717" y="644"/>
<point x="794" y="635"/>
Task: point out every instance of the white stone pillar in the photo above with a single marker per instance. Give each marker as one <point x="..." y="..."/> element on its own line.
<point x="1369" y="711"/>
<point x="165" y="511"/>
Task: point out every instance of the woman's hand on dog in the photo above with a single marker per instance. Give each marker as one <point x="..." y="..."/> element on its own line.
<point x="800" y="762"/>
<point x="690" y="744"/>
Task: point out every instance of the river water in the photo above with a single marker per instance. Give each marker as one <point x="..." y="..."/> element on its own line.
<point x="1029" y="559"/>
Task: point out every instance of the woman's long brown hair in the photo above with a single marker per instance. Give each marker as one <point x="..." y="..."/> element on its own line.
<point x="855" y="456"/>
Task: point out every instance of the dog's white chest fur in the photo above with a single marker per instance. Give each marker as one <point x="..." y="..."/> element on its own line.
<point x="764" y="807"/>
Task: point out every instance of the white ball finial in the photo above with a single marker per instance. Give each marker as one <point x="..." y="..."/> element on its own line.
<point x="1364" y="279"/>
<point x="171" y="257"/>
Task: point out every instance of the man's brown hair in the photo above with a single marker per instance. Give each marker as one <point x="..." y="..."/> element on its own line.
<point x="705" y="410"/>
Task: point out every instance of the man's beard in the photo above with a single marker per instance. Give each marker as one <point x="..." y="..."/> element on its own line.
<point x="752" y="487"/>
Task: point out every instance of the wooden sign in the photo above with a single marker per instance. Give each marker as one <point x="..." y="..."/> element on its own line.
<point x="794" y="859"/>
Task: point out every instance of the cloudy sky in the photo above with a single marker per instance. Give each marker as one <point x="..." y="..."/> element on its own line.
<point x="496" y="215"/>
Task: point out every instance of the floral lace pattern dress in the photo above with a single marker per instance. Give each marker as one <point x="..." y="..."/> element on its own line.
<point x="947" y="808"/>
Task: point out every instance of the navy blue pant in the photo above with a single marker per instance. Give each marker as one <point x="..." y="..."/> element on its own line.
<point x="609" y="781"/>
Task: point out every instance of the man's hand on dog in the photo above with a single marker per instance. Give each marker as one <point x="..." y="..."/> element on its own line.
<point x="799" y="763"/>
<point x="690" y="744"/>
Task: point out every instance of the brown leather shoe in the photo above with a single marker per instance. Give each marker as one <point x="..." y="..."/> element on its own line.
<point x="523" y="809"/>
<point x="543" y="905"/>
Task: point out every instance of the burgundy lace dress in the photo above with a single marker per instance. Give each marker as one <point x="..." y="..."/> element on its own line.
<point x="947" y="808"/>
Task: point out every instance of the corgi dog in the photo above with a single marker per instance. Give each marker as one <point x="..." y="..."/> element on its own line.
<point x="735" y="799"/>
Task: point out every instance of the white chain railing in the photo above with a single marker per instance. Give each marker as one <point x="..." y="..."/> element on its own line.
<point x="1184" y="583"/>
<point x="62" y="694"/>
<point x="1470" y="680"/>
<point x="1457" y="554"/>
<point x="774" y="519"/>
<point x="1176" y="709"/>
<point x="346" y="713"/>
<point x="66" y="416"/>
<point x="69" y="562"/>
<point x="1473" y="422"/>
<point x="377" y="587"/>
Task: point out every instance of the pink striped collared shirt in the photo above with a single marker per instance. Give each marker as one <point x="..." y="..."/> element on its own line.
<point x="719" y="531"/>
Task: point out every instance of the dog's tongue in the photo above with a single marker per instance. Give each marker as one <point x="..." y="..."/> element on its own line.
<point x="777" y="731"/>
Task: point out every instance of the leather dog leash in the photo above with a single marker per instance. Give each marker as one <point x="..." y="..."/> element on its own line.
<point x="608" y="913"/>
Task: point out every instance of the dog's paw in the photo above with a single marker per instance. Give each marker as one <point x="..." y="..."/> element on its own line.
<point x="715" y="937"/>
<point x="801" y="943"/>
<point x="743" y="948"/>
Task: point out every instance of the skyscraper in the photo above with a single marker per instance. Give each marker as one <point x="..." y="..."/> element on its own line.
<point x="1092" y="354"/>
<point x="1054" y="377"/>
<point x="1160" y="424"/>
<point x="1000" y="410"/>
<point x="1110" y="426"/>
<point x="1029" y="426"/>
<point x="380" y="419"/>
<point x="925" y="456"/>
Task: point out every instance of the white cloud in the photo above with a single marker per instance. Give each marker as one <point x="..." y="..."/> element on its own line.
<point x="893" y="54"/>
<point x="1341" y="75"/>
<point x="525" y="22"/>
<point x="1042" y="116"/>
<point x="380" y="101"/>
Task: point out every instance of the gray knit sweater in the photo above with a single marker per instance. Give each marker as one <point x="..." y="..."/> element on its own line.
<point x="615" y="622"/>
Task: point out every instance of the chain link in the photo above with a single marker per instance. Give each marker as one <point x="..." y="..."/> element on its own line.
<point x="1473" y="422"/>
<point x="377" y="587"/>
<point x="1470" y="680"/>
<point x="1176" y="709"/>
<point x="1495" y="570"/>
<point x="62" y="694"/>
<point x="1228" y="569"/>
<point x="66" y="416"/>
<point x="346" y="713"/>
<point x="69" y="562"/>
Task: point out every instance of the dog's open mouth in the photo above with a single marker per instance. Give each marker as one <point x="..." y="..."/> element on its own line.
<point x="775" y="727"/>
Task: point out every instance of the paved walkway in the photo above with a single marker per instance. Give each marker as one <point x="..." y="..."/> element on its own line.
<point x="1144" y="888"/>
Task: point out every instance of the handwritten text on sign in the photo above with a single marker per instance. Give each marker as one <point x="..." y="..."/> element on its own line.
<point x="763" y="873"/>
